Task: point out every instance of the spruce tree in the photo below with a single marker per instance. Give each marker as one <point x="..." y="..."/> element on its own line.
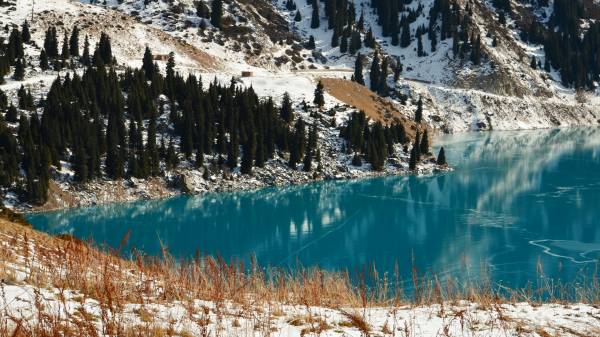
<point x="405" y="37"/>
<point x="311" y="43"/>
<point x="151" y="148"/>
<point x="412" y="161"/>
<point x="148" y="63"/>
<point x="298" y="143"/>
<point x="74" y="42"/>
<point x="335" y="38"/>
<point x="355" y="42"/>
<point x="65" y="53"/>
<point x="85" y="57"/>
<point x="441" y="158"/>
<point x="248" y="152"/>
<point x="298" y="16"/>
<point x="369" y="39"/>
<point x="14" y="49"/>
<point x="383" y="88"/>
<point x="19" y="73"/>
<point x="43" y="60"/>
<point x="319" y="99"/>
<point x="397" y="70"/>
<point x="358" y="70"/>
<point x="314" y="20"/>
<point x="476" y="51"/>
<point x="424" y="143"/>
<point x="311" y="148"/>
<point x="12" y="114"/>
<point x="419" y="112"/>
<point x="343" y="44"/>
<point x="233" y="151"/>
<point x="25" y="33"/>
<point x="375" y="73"/>
<point x="216" y="13"/>
<point x="104" y="50"/>
<point x="51" y="43"/>
<point x="286" y="111"/>
<point x="433" y="39"/>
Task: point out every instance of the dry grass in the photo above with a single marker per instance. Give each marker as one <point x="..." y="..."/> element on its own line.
<point x="243" y="292"/>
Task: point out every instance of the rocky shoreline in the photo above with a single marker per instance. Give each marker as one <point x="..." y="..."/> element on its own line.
<point x="64" y="194"/>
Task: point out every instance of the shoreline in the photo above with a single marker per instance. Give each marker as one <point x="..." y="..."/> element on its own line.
<point x="187" y="181"/>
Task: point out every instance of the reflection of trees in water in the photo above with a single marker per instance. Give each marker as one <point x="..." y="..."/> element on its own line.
<point x="483" y="211"/>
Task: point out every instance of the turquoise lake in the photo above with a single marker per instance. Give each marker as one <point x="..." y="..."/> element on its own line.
<point x="518" y="205"/>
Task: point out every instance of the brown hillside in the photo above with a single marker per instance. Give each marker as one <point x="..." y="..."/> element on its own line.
<point x="362" y="98"/>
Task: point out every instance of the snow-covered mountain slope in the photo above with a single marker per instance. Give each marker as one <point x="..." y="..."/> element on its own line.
<point x="263" y="37"/>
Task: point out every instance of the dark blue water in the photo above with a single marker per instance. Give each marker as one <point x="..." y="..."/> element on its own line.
<point x="518" y="206"/>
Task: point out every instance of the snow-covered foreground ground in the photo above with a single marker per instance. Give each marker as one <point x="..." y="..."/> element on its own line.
<point x="207" y="318"/>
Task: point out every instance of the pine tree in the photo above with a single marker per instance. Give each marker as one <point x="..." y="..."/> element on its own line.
<point x="80" y="167"/>
<point x="424" y="143"/>
<point x="343" y="44"/>
<point x="298" y="16"/>
<point x="419" y="45"/>
<point x="14" y="49"/>
<point x="286" y="111"/>
<point x="412" y="161"/>
<point x="248" y="152"/>
<point x="405" y="37"/>
<point x="233" y="151"/>
<point x="74" y="42"/>
<point x="12" y="114"/>
<point x="298" y="143"/>
<point x="319" y="99"/>
<point x="310" y="149"/>
<point x="375" y="73"/>
<point x="3" y="104"/>
<point x="355" y="42"/>
<point x="476" y="51"/>
<point x="369" y="39"/>
<point x="314" y="20"/>
<point x="397" y="70"/>
<point x="43" y="60"/>
<point x="216" y="13"/>
<point x="455" y="45"/>
<point x="153" y="154"/>
<point x="358" y="70"/>
<point x="85" y="57"/>
<point x="311" y="43"/>
<point x="383" y="86"/>
<point x="51" y="43"/>
<point x="65" y="53"/>
<point x="419" y="112"/>
<point x="356" y="161"/>
<point x="25" y="33"/>
<point x="104" y="50"/>
<point x="441" y="158"/>
<point x="335" y="37"/>
<point x="172" y="159"/>
<point x="19" y="73"/>
<point x="361" y="21"/>
<point x="148" y="63"/>
<point x="433" y="39"/>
